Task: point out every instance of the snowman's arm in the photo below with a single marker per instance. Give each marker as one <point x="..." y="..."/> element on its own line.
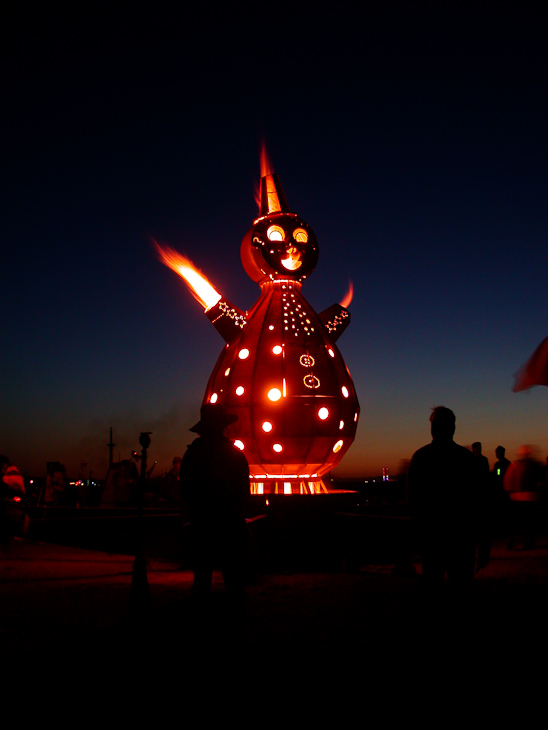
<point x="335" y="319"/>
<point x="228" y="320"/>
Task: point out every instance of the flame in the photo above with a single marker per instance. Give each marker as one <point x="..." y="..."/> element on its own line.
<point x="348" y="296"/>
<point x="266" y="167"/>
<point x="199" y="286"/>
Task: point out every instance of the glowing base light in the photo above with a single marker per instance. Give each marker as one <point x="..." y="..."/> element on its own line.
<point x="288" y="486"/>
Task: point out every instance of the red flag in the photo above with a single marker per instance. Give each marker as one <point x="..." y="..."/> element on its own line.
<point x="535" y="370"/>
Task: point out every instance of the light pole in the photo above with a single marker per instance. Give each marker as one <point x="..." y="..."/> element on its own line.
<point x="139" y="600"/>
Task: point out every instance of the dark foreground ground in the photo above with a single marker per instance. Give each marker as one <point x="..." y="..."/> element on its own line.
<point x="64" y="613"/>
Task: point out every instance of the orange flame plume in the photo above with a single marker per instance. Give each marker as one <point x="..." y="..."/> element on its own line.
<point x="266" y="167"/>
<point x="199" y="286"/>
<point x="348" y="296"/>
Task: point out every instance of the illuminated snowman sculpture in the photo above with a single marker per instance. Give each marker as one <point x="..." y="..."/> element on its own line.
<point x="281" y="372"/>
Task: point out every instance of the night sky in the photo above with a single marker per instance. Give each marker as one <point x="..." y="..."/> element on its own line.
<point x="414" y="141"/>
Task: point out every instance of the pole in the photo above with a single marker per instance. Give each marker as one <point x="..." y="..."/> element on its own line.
<point x="110" y="448"/>
<point x="139" y="599"/>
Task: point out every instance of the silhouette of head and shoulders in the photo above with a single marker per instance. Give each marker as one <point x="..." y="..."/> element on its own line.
<point x="441" y="470"/>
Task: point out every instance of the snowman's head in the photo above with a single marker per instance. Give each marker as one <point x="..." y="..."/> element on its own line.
<point x="279" y="245"/>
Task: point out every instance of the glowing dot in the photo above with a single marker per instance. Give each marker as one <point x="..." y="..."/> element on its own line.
<point x="239" y="445"/>
<point x="213" y="398"/>
<point x="240" y="390"/>
<point x="338" y="446"/>
<point x="345" y="391"/>
<point x="341" y="425"/>
<point x="355" y="417"/>
<point x="270" y="326"/>
<point x="227" y="372"/>
<point x="330" y="351"/>
<point x="267" y="427"/>
<point x="277" y="349"/>
<point x="323" y="413"/>
<point x="277" y="448"/>
<point x="243" y="354"/>
<point x="274" y="394"/>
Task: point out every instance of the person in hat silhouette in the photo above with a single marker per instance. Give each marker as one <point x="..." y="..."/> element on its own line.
<point x="214" y="480"/>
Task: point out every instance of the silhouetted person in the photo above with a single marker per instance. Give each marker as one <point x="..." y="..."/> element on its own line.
<point x="215" y="486"/>
<point x="13" y="519"/>
<point x="447" y="495"/>
<point x="482" y="460"/>
<point x="171" y="486"/>
<point x="501" y="464"/>
<point x="523" y="483"/>
<point x="500" y="498"/>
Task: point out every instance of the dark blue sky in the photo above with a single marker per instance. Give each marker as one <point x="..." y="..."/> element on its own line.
<point x="412" y="139"/>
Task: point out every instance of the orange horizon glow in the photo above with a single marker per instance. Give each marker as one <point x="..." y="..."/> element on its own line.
<point x="199" y="286"/>
<point x="348" y="296"/>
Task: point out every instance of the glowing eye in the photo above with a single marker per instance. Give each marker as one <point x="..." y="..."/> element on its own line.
<point x="267" y="427"/>
<point x="300" y="235"/>
<point x="277" y="349"/>
<point x="239" y="445"/>
<point x="341" y="425"/>
<point x="345" y="391"/>
<point x="213" y="398"/>
<point x="275" y="233"/>
<point x="338" y="446"/>
<point x="323" y="413"/>
<point x="355" y="417"/>
<point x="274" y="394"/>
<point x="277" y="448"/>
<point x="330" y="351"/>
<point x="227" y="371"/>
<point x="243" y="354"/>
<point x="240" y="390"/>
